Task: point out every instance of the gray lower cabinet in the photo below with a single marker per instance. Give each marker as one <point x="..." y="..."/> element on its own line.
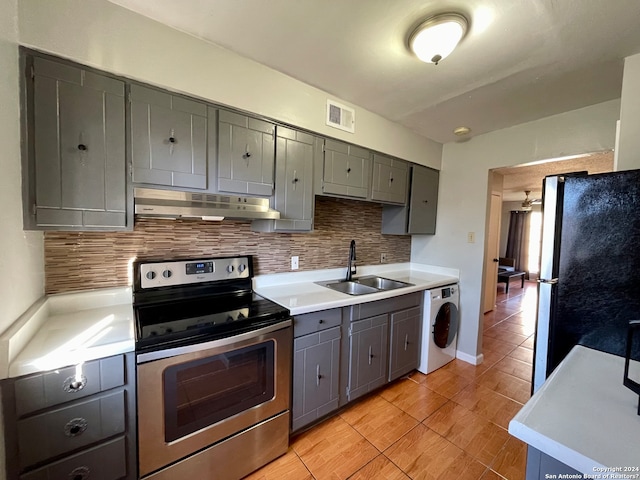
<point x="293" y="183"/>
<point x="404" y="344"/>
<point x="367" y="355"/>
<point x="168" y="139"/>
<point x="419" y="217"/>
<point x="541" y="466"/>
<point x="75" y="165"/>
<point x="390" y="178"/>
<point x="76" y="423"/>
<point x="315" y="376"/>
<point x="346" y="170"/>
<point x="316" y="364"/>
<point x="344" y="353"/>
<point x="246" y="153"/>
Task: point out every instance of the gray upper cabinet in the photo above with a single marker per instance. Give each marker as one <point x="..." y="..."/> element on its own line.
<point x="246" y="152"/>
<point x="168" y="139"/>
<point x="346" y="170"/>
<point x="294" y="183"/>
<point x="389" y="180"/>
<point x="424" y="201"/>
<point x="76" y="149"/>
<point x="404" y="344"/>
<point x="419" y="217"/>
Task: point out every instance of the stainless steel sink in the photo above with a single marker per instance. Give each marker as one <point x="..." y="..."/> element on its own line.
<point x="382" y="283"/>
<point x="364" y="285"/>
<point x="350" y="288"/>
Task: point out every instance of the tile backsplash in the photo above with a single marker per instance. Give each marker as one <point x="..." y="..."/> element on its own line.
<point x="85" y="260"/>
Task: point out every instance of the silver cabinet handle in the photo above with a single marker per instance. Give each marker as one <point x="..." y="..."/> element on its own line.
<point x="75" y="427"/>
<point x="406" y="341"/>
<point x="79" y="473"/>
<point x="318" y="375"/>
<point x="551" y="281"/>
<point x="370" y="354"/>
<point x="74" y="384"/>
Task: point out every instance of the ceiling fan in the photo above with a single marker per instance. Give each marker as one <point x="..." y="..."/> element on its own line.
<point x="526" y="204"/>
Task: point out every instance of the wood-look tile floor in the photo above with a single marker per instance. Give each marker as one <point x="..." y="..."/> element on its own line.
<point x="450" y="424"/>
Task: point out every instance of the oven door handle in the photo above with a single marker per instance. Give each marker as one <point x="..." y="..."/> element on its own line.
<point x="222" y="342"/>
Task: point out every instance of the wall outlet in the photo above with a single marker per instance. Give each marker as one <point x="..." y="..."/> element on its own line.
<point x="295" y="262"/>
<point x="471" y="237"/>
<point x="383" y="257"/>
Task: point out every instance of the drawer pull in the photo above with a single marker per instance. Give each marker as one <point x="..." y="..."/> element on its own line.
<point x="79" y="473"/>
<point x="74" y="384"/>
<point x="320" y="321"/>
<point x="75" y="427"/>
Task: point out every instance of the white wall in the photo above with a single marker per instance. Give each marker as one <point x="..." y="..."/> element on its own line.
<point x="21" y="253"/>
<point x="462" y="202"/>
<point x="106" y="36"/>
<point x="628" y="151"/>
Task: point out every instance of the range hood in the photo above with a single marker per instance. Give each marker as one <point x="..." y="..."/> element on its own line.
<point x="170" y="204"/>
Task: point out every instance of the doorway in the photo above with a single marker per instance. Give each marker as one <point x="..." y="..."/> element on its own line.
<point x="514" y="182"/>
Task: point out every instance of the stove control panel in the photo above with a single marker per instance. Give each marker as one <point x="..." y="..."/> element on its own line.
<point x="188" y="272"/>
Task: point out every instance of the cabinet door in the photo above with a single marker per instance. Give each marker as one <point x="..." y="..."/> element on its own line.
<point x="368" y="355"/>
<point x="346" y="170"/>
<point x="315" y="376"/>
<point x="168" y="139"/>
<point x="294" y="180"/>
<point x="424" y="201"/>
<point x="78" y="149"/>
<point x="404" y="344"/>
<point x="389" y="180"/>
<point x="246" y="152"/>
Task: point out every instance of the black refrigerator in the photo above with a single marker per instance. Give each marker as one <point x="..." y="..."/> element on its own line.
<point x="589" y="286"/>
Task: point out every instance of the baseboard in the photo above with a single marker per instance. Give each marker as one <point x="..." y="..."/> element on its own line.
<point x="473" y="360"/>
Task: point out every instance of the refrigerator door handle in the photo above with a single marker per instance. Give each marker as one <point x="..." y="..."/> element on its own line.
<point x="551" y="281"/>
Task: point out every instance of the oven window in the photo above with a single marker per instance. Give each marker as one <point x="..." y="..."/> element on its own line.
<point x="203" y="392"/>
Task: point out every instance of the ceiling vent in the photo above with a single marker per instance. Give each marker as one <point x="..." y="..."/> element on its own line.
<point x="341" y="116"/>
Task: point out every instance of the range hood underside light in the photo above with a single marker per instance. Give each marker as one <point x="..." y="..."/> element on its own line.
<point x="170" y="204"/>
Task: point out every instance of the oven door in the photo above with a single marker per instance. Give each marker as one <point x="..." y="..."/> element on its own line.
<point x="192" y="397"/>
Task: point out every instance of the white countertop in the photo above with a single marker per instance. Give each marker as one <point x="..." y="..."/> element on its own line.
<point x="67" y="329"/>
<point x="583" y="416"/>
<point x="298" y="291"/>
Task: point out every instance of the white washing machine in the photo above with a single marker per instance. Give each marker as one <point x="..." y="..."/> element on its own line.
<point x="440" y="329"/>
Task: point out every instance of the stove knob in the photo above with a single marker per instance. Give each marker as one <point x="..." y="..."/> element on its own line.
<point x="242" y="267"/>
<point x="167" y="273"/>
<point x="151" y="275"/>
<point x="230" y="268"/>
<point x="229" y="318"/>
<point x="240" y="315"/>
<point x="168" y="330"/>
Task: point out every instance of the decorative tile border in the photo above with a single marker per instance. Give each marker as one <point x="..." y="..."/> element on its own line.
<point x="85" y="260"/>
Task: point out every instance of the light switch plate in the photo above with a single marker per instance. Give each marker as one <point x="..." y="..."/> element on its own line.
<point x="295" y="262"/>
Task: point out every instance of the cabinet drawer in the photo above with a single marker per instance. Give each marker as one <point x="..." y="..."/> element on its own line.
<point x="104" y="462"/>
<point x="66" y="384"/>
<point x="316" y="321"/>
<point x="379" y="307"/>
<point x="56" y="432"/>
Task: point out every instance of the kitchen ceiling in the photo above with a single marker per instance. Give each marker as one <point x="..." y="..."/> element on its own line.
<point x="520" y="60"/>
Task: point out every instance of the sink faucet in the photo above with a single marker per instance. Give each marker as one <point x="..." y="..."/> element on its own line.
<point x="351" y="265"/>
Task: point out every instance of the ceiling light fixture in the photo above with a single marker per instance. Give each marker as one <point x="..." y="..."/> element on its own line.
<point x="461" y="131"/>
<point x="437" y="36"/>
